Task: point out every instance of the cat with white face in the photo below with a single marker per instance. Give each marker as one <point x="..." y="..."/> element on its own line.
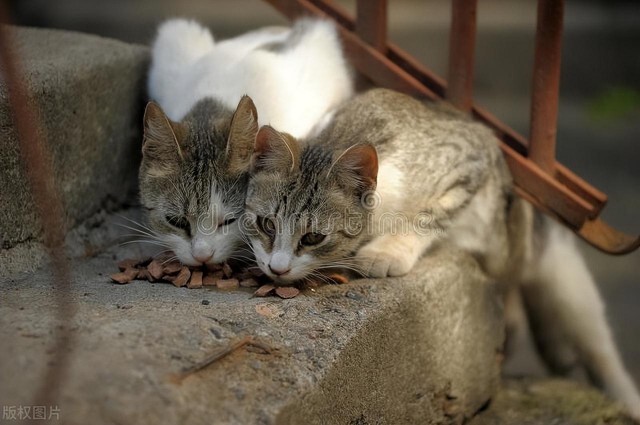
<point x="200" y="131"/>
<point x="441" y="178"/>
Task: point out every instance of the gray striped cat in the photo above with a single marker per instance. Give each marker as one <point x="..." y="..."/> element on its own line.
<point x="389" y="178"/>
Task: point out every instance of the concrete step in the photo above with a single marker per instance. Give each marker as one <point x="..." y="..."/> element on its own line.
<point x="88" y="92"/>
<point x="550" y="401"/>
<point x="420" y="349"/>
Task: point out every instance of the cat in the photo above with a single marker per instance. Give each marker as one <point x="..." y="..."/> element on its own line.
<point x="389" y="178"/>
<point x="199" y="130"/>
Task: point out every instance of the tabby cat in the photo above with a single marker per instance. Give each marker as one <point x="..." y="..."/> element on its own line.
<point x="196" y="149"/>
<point x="389" y="178"/>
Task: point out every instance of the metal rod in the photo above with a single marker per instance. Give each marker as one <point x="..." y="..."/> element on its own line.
<point x="37" y="161"/>
<point x="462" y="40"/>
<point x="546" y="84"/>
<point x="371" y="22"/>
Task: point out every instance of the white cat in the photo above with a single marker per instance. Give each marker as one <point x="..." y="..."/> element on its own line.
<point x="294" y="75"/>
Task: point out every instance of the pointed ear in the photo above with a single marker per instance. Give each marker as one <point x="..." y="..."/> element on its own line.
<point x="162" y="137"/>
<point x="275" y="151"/>
<point x="358" y="167"/>
<point x="242" y="135"/>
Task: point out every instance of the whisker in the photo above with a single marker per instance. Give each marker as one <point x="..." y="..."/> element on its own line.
<point x="151" y="242"/>
<point x="137" y="223"/>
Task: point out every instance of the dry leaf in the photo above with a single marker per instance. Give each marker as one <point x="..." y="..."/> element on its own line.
<point x="227" y="283"/>
<point x="182" y="278"/>
<point x="209" y="280"/>
<point x="172" y="267"/>
<point x="269" y="310"/>
<point x="196" y="280"/>
<point x="249" y="283"/>
<point x="287" y="291"/>
<point x="125" y="277"/>
<point x="264" y="290"/>
<point x="227" y="270"/>
<point x="155" y="269"/>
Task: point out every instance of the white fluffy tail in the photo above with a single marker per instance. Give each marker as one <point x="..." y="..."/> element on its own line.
<point x="179" y="43"/>
<point x="567" y="316"/>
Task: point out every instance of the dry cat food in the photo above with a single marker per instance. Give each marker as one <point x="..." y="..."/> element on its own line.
<point x="222" y="276"/>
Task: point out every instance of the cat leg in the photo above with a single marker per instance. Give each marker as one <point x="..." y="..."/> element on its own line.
<point x="392" y="255"/>
<point x="515" y="319"/>
<point x="568" y="319"/>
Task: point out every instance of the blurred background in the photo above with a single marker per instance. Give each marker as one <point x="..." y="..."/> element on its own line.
<point x="599" y="122"/>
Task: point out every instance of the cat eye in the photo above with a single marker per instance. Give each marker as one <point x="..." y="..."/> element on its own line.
<point x="228" y="221"/>
<point x="266" y="225"/>
<point x="179" y="222"/>
<point x="311" y="239"/>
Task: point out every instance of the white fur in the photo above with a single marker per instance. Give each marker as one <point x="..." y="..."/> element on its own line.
<point x="292" y="89"/>
<point x="563" y="300"/>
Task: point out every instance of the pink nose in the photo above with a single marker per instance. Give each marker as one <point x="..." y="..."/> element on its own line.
<point x="279" y="271"/>
<point x="203" y="258"/>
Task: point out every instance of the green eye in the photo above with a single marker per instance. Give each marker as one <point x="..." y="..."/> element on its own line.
<point x="179" y="222"/>
<point x="266" y="226"/>
<point x="311" y="239"/>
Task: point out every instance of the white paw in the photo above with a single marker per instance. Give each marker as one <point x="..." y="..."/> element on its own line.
<point x="378" y="260"/>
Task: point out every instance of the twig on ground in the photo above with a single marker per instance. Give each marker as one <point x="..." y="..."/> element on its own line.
<point x="179" y="377"/>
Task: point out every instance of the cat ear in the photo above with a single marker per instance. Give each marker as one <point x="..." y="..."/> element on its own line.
<point x="275" y="151"/>
<point x="242" y="135"/>
<point x="162" y="137"/>
<point x="358" y="167"/>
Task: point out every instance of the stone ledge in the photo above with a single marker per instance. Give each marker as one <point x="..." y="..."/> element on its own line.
<point x="421" y="349"/>
<point x="551" y="401"/>
<point x="88" y="92"/>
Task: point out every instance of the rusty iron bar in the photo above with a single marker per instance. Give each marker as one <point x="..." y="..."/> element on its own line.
<point x="561" y="194"/>
<point x="37" y="161"/>
<point x="371" y="23"/>
<point x="462" y="42"/>
<point x="546" y="84"/>
<point x="385" y="72"/>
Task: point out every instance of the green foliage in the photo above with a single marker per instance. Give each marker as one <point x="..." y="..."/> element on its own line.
<point x="616" y="103"/>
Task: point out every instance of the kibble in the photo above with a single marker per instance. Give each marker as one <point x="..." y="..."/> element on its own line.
<point x="223" y="276"/>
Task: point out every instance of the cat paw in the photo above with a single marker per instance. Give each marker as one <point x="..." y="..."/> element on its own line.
<point x="380" y="261"/>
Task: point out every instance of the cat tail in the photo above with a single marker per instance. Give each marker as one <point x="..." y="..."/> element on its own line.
<point x="566" y="313"/>
<point x="178" y="44"/>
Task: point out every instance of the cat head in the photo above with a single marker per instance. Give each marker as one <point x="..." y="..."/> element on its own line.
<point x="193" y="178"/>
<point x="304" y="210"/>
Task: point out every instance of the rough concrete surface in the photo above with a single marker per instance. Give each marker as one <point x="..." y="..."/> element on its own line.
<point x="88" y="92"/>
<point x="420" y="349"/>
<point x="550" y="401"/>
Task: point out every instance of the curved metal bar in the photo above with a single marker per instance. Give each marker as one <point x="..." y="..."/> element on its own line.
<point x="604" y="237"/>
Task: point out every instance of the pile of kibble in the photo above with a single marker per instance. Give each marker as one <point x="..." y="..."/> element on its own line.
<point x="221" y="276"/>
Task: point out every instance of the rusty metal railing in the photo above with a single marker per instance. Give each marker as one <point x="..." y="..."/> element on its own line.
<point x="538" y="176"/>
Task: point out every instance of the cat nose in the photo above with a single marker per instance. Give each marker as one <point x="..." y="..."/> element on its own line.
<point x="280" y="263"/>
<point x="279" y="271"/>
<point x="203" y="258"/>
